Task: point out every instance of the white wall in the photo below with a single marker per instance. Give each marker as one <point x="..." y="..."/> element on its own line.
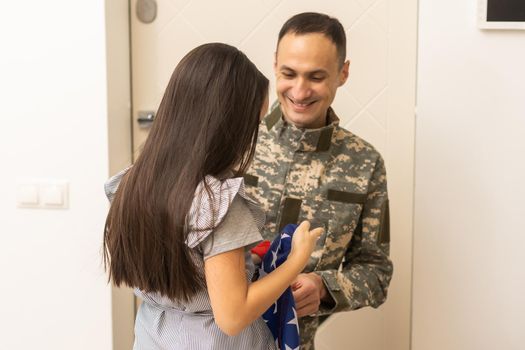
<point x="53" y="125"/>
<point x="469" y="275"/>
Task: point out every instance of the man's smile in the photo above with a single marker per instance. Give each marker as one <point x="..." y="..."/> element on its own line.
<point x="301" y="105"/>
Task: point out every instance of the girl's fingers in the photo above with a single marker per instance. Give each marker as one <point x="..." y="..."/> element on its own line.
<point x="304" y="226"/>
<point x="317" y="232"/>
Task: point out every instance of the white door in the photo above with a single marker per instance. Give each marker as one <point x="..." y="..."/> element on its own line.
<point x="376" y="103"/>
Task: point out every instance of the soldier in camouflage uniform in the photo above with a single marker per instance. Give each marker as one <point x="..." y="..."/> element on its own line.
<point x="307" y="167"/>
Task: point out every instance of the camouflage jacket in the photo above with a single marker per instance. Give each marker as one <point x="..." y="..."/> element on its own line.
<point x="334" y="179"/>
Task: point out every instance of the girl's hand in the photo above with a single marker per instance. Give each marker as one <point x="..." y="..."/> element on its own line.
<point x="303" y="242"/>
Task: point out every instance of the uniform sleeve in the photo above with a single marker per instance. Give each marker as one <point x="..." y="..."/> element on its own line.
<point x="238" y="229"/>
<point x="366" y="270"/>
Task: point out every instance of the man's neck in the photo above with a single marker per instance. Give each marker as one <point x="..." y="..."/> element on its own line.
<point x="325" y="122"/>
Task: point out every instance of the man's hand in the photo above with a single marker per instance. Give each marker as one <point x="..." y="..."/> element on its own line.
<point x="308" y="290"/>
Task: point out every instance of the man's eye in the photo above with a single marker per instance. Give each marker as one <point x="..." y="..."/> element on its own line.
<point x="317" y="78"/>
<point x="287" y="74"/>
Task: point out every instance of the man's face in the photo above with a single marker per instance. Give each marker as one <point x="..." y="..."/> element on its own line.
<point x="307" y="73"/>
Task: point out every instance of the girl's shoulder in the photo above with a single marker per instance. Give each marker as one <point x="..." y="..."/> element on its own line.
<point x="111" y="185"/>
<point x="215" y="199"/>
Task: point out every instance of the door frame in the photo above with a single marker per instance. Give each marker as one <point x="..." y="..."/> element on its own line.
<point x="119" y="102"/>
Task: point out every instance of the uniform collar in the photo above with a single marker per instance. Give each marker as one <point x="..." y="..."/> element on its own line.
<point x="306" y="140"/>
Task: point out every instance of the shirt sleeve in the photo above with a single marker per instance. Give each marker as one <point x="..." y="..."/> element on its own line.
<point x="366" y="271"/>
<point x="238" y="229"/>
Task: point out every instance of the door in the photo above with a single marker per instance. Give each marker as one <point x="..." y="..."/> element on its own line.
<point x="376" y="103"/>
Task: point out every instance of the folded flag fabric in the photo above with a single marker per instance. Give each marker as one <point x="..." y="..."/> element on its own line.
<point x="281" y="317"/>
<point x="261" y="249"/>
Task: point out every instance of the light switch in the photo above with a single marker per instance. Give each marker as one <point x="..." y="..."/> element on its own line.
<point x="52" y="195"/>
<point x="27" y="195"/>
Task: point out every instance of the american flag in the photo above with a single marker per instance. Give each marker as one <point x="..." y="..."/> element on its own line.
<point x="281" y="317"/>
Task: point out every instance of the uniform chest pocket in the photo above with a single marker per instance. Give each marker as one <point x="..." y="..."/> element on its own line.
<point x="341" y="212"/>
<point x="345" y="197"/>
<point x="344" y="210"/>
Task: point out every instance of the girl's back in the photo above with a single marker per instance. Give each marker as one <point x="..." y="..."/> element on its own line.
<point x="166" y="324"/>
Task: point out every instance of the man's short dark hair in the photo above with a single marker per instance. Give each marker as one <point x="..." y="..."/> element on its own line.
<point x="313" y="22"/>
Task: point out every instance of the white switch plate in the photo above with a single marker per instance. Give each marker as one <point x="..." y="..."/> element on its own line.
<point x="43" y="194"/>
<point x="27" y="195"/>
<point x="53" y="195"/>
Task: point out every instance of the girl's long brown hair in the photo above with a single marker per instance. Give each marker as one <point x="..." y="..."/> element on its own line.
<point x="206" y="124"/>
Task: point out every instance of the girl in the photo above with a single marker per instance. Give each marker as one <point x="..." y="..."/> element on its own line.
<point x="180" y="226"/>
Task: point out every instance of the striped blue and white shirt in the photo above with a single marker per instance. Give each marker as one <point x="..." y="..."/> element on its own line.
<point x="162" y="323"/>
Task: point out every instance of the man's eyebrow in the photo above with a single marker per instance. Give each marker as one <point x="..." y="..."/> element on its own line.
<point x="285" y="67"/>
<point x="313" y="72"/>
<point x="318" y="71"/>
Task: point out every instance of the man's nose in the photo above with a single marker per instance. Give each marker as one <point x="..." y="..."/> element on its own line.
<point x="301" y="90"/>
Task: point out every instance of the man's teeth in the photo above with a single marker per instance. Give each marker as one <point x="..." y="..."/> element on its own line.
<point x="301" y="104"/>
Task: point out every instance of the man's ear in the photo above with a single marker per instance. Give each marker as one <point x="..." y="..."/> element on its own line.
<point x="275" y="62"/>
<point x="345" y="71"/>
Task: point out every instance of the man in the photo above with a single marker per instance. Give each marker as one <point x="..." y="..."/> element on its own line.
<point x="307" y="167"/>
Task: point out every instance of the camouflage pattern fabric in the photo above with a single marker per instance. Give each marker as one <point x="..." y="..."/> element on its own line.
<point x="334" y="179"/>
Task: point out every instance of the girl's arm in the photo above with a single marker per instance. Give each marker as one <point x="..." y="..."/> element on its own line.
<point x="234" y="302"/>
